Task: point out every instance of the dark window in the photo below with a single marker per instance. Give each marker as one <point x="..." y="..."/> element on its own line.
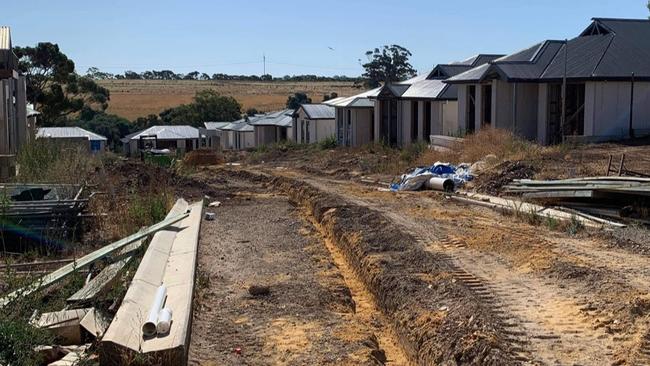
<point x="427" y="121"/>
<point x="393" y="122"/>
<point x="415" y="114"/>
<point x="471" y="108"/>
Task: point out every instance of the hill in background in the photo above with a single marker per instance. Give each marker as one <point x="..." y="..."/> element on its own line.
<point x="138" y="98"/>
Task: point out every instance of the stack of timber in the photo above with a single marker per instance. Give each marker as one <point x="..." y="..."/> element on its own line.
<point x="618" y="197"/>
<point x="169" y="262"/>
<point x="42" y="213"/>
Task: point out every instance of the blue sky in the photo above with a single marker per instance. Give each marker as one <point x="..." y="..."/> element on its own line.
<point x="296" y="36"/>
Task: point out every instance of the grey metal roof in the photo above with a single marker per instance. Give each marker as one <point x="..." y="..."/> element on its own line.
<point x="318" y="111"/>
<point x="425" y="89"/>
<point x="472" y="75"/>
<point x="167" y="133"/>
<point x="239" y="127"/>
<point x="356" y="101"/>
<point x="215" y="125"/>
<point x="431" y="85"/>
<point x="608" y="49"/>
<point x="68" y="132"/>
<point x="5" y="38"/>
<point x="283" y="118"/>
<point x="477" y="60"/>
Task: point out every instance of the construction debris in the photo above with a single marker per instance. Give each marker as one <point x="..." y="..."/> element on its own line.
<point x="616" y="197"/>
<point x="170" y="259"/>
<point x="84" y="261"/>
<point x="439" y="176"/>
<point x="43" y="212"/>
<point x="73" y="357"/>
<point x="516" y="206"/>
<point x="73" y="326"/>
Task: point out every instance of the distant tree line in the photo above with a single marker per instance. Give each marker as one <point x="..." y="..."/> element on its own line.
<point x="96" y="74"/>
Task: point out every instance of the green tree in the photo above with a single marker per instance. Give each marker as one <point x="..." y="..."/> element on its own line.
<point x="294" y="101"/>
<point x="252" y="111"/>
<point x="329" y="96"/>
<point x="108" y="125"/>
<point x="53" y="85"/>
<point x="388" y="64"/>
<point x="208" y="105"/>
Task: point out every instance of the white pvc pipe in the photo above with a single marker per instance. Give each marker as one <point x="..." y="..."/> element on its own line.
<point x="164" y="321"/>
<point x="149" y="327"/>
<point x="440" y="184"/>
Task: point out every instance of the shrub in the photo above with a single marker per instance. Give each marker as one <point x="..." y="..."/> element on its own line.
<point x="48" y="161"/>
<point x="328" y="143"/>
<point x="17" y="342"/>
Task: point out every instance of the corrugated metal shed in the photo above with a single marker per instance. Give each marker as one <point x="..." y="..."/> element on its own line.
<point x="5" y="38"/>
<point x="168" y="133"/>
<point x="319" y="111"/>
<point x="68" y="132"/>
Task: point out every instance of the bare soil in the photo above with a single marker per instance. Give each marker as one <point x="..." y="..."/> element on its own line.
<point x="312" y="314"/>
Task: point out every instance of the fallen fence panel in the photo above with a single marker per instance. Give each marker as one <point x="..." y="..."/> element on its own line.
<point x="88" y="259"/>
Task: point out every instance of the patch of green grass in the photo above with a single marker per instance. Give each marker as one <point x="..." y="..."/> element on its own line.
<point x="328" y="143"/>
<point x="145" y="210"/>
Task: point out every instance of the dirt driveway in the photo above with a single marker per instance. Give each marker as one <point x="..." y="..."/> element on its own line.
<point x="311" y="314"/>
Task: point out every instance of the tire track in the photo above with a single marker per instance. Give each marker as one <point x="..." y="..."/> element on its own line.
<point x="546" y="324"/>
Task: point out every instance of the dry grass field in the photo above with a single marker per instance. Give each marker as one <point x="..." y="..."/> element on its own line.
<point x="137" y="98"/>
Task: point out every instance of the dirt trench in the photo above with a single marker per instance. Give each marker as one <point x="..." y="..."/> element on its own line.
<point x="438" y="318"/>
<point x="563" y="299"/>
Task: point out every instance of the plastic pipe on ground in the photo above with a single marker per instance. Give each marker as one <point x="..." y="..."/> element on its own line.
<point x="164" y="321"/>
<point x="149" y="327"/>
<point x="440" y="184"/>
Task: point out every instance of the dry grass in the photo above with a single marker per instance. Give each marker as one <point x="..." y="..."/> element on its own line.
<point x="138" y="98"/>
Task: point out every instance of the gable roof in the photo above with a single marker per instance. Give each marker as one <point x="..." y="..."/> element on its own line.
<point x="68" y="132"/>
<point x="283" y="118"/>
<point x="318" y="111"/>
<point x="215" y="125"/>
<point x="431" y="85"/>
<point x="608" y="49"/>
<point x="166" y="133"/>
<point x="239" y="127"/>
<point x="361" y="100"/>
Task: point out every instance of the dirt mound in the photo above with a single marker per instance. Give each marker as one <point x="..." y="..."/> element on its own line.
<point x="203" y="157"/>
<point x="438" y="318"/>
<point x="504" y="173"/>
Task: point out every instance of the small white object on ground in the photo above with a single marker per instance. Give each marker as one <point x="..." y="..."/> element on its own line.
<point x="164" y="321"/>
<point x="149" y="327"/>
<point x="210" y="216"/>
<point x="214" y="204"/>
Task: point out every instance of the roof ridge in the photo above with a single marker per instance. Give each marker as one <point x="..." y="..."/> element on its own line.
<point x="551" y="61"/>
<point x="593" y="72"/>
<point x="622" y="19"/>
